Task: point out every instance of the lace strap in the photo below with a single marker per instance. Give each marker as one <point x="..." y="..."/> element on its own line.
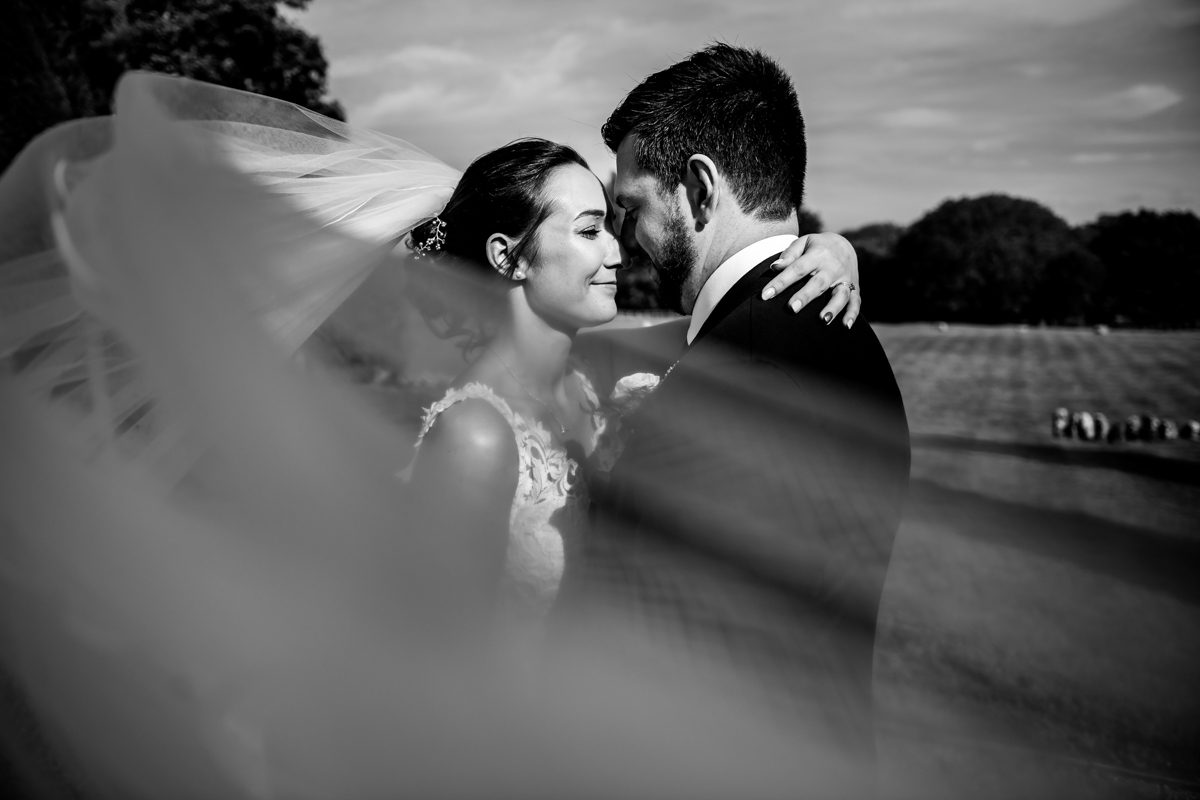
<point x="472" y="391"/>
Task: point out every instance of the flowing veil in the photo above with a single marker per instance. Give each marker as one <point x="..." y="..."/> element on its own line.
<point x="295" y="211"/>
<point x="210" y="585"/>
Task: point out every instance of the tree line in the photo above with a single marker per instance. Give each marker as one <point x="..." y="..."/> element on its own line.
<point x="997" y="259"/>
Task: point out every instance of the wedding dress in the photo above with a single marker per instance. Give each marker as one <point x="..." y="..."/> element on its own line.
<point x="549" y="508"/>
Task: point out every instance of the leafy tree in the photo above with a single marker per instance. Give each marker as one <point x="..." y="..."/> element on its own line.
<point x="38" y="87"/>
<point x="245" y="44"/>
<point x="876" y="248"/>
<point x="1152" y="267"/>
<point x="877" y="240"/>
<point x="66" y="55"/>
<point x="1072" y="290"/>
<point x="980" y="259"/>
<point x="637" y="289"/>
<point x="810" y="222"/>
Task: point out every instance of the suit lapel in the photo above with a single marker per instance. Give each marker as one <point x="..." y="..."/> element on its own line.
<point x="738" y="294"/>
<point x="700" y="354"/>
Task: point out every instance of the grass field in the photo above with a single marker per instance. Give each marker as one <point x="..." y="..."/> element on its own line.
<point x="1046" y="591"/>
<point x="1040" y="626"/>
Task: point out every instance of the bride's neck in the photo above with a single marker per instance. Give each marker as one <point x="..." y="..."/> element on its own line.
<point x="534" y="351"/>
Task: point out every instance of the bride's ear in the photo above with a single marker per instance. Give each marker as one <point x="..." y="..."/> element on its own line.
<point x="499" y="255"/>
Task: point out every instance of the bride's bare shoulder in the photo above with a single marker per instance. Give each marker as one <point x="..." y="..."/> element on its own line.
<point x="472" y="439"/>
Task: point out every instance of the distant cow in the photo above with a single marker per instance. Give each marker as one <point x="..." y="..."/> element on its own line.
<point x="1060" y="423"/>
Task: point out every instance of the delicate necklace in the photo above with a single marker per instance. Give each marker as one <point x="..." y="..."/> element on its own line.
<point x="562" y="429"/>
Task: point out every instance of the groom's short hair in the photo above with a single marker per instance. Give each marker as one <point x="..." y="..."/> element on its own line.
<point x="734" y="105"/>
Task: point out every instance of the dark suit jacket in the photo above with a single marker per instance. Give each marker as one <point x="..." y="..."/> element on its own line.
<point x="752" y="514"/>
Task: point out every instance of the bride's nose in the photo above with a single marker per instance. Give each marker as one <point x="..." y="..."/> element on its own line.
<point x="612" y="253"/>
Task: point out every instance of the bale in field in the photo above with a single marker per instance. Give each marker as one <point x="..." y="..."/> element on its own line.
<point x="1060" y="423"/>
<point x="1168" y="431"/>
<point x="1084" y="425"/>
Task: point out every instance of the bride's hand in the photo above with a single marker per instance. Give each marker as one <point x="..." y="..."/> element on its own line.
<point x="829" y="259"/>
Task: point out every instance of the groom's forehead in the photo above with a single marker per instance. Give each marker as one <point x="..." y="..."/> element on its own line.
<point x="627" y="163"/>
<point x="631" y="179"/>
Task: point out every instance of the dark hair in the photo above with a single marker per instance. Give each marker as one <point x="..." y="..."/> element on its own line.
<point x="501" y="192"/>
<point x="734" y="105"/>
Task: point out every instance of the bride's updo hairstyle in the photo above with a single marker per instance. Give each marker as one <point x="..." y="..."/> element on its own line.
<point x="502" y="191"/>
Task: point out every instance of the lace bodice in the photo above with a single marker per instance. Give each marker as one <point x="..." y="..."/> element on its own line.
<point x="548" y="508"/>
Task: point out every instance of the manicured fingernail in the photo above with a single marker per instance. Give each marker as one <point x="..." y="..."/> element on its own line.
<point x="849" y="322"/>
<point x="828" y="317"/>
<point x="777" y="265"/>
<point x="797" y="305"/>
<point x="768" y="293"/>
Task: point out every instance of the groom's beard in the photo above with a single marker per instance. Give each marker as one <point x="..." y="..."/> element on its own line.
<point x="676" y="257"/>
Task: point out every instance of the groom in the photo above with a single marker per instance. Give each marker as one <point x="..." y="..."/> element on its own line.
<point x="751" y="517"/>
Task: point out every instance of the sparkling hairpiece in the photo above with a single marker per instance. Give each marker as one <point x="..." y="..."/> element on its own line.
<point x="434" y="242"/>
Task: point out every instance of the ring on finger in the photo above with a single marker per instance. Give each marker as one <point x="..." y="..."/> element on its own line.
<point x="849" y="286"/>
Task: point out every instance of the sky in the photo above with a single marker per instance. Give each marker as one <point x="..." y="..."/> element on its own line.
<point x="1086" y="106"/>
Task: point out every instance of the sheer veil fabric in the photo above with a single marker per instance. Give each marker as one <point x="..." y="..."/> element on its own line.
<point x="190" y="187"/>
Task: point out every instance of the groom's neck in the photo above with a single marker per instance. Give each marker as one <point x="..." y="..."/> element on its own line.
<point x="734" y="235"/>
<point x="741" y="230"/>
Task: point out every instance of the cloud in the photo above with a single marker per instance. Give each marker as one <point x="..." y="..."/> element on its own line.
<point x="414" y="99"/>
<point x="1033" y="69"/>
<point x="1094" y="158"/>
<point x="417" y="58"/>
<point x="917" y="117"/>
<point x="1136" y="102"/>
<point x="992" y="144"/>
<point x="907" y="101"/>
<point x="452" y="86"/>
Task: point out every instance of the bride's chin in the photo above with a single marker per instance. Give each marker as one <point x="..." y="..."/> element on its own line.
<point x="601" y="318"/>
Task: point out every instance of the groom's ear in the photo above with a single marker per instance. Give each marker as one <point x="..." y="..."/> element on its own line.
<point x="703" y="187"/>
<point x="499" y="254"/>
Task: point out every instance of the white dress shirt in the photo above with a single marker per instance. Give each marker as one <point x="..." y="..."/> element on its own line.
<point x="730" y="272"/>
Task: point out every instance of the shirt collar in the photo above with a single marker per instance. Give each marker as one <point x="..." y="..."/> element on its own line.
<point x="730" y="272"/>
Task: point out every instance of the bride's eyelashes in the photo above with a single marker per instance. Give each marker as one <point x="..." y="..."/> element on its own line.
<point x="590" y="233"/>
